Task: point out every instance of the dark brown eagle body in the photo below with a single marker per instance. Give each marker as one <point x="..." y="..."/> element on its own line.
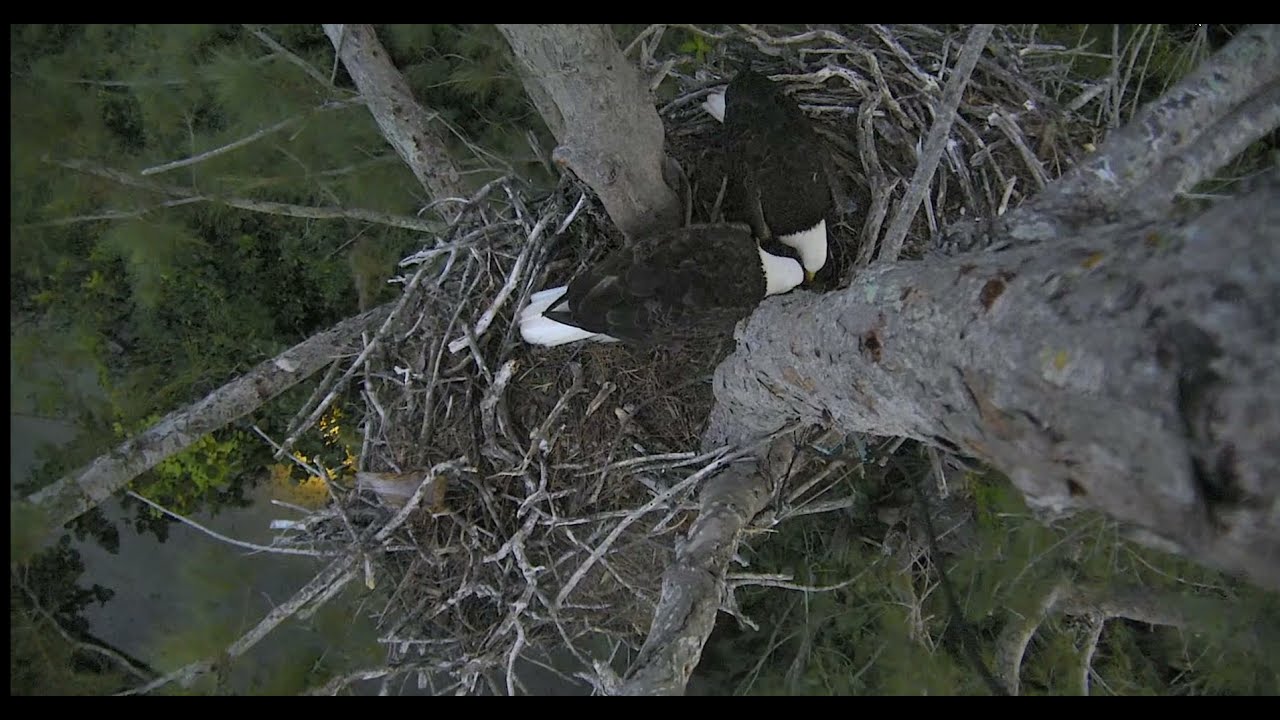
<point x="669" y="285"/>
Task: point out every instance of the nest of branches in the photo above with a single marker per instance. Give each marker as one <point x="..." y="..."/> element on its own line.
<point x="525" y="501"/>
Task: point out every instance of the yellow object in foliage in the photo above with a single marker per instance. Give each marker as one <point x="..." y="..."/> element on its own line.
<point x="310" y="492"/>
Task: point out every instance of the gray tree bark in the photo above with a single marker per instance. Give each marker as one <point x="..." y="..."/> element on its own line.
<point x="603" y="117"/>
<point x="407" y="126"/>
<point x="1229" y="101"/>
<point x="1131" y="368"/>
<point x="693" y="585"/>
<point x="76" y="493"/>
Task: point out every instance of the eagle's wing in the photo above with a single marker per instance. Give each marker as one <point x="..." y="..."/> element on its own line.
<point x="668" y="283"/>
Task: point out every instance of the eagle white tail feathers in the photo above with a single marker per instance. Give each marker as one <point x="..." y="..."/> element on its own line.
<point x="537" y="329"/>
<point x="810" y="245"/>
<point x="714" y="104"/>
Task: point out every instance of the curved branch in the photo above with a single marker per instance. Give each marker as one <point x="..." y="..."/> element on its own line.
<point x="1096" y="625"/>
<point x="1011" y="646"/>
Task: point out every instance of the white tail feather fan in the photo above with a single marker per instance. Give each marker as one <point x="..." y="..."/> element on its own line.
<point x="714" y="104"/>
<point x="537" y="329"/>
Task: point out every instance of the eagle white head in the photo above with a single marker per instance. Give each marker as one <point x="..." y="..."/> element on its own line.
<point x="781" y="274"/>
<point x="811" y="246"/>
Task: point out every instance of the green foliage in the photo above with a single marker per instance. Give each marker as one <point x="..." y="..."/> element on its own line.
<point x="301" y="653"/>
<point x="173" y="301"/>
<point x="43" y="590"/>
<point x="121" y="319"/>
<point x="465" y="73"/>
<point x="28" y="527"/>
<point x="697" y="45"/>
<point x="890" y="631"/>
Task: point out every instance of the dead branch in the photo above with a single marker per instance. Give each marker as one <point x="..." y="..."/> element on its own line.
<point x="509" y="286"/>
<point x="693" y="586"/>
<point x="193" y="671"/>
<point x="322" y="587"/>
<point x="260" y="206"/>
<point x="242" y="142"/>
<point x="1150" y="158"/>
<point x="337" y="684"/>
<point x="406" y="125"/>
<point x="360" y="360"/>
<point x="72" y="495"/>
<point x="291" y="56"/>
<point x="223" y="538"/>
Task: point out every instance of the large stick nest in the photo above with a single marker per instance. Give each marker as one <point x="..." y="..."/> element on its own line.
<point x="539" y="454"/>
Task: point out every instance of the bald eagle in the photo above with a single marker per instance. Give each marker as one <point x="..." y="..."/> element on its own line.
<point x="664" y="286"/>
<point x="776" y="164"/>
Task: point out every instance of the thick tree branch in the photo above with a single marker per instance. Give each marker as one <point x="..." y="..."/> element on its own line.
<point x="1128" y="602"/>
<point x="1164" y="129"/>
<point x="1130" y="368"/>
<point x="1185" y="136"/>
<point x="595" y="103"/>
<point x="693" y="586"/>
<point x="72" y="495"/>
<point x="405" y="124"/>
<point x="1212" y="151"/>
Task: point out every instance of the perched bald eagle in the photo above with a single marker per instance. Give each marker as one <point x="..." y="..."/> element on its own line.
<point x="664" y="286"/>
<point x="776" y="165"/>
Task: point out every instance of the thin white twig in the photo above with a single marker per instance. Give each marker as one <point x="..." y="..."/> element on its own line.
<point x="657" y="501"/>
<point x="936" y="144"/>
<point x="246" y="140"/>
<point x="229" y="540"/>
<point x="486" y="318"/>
